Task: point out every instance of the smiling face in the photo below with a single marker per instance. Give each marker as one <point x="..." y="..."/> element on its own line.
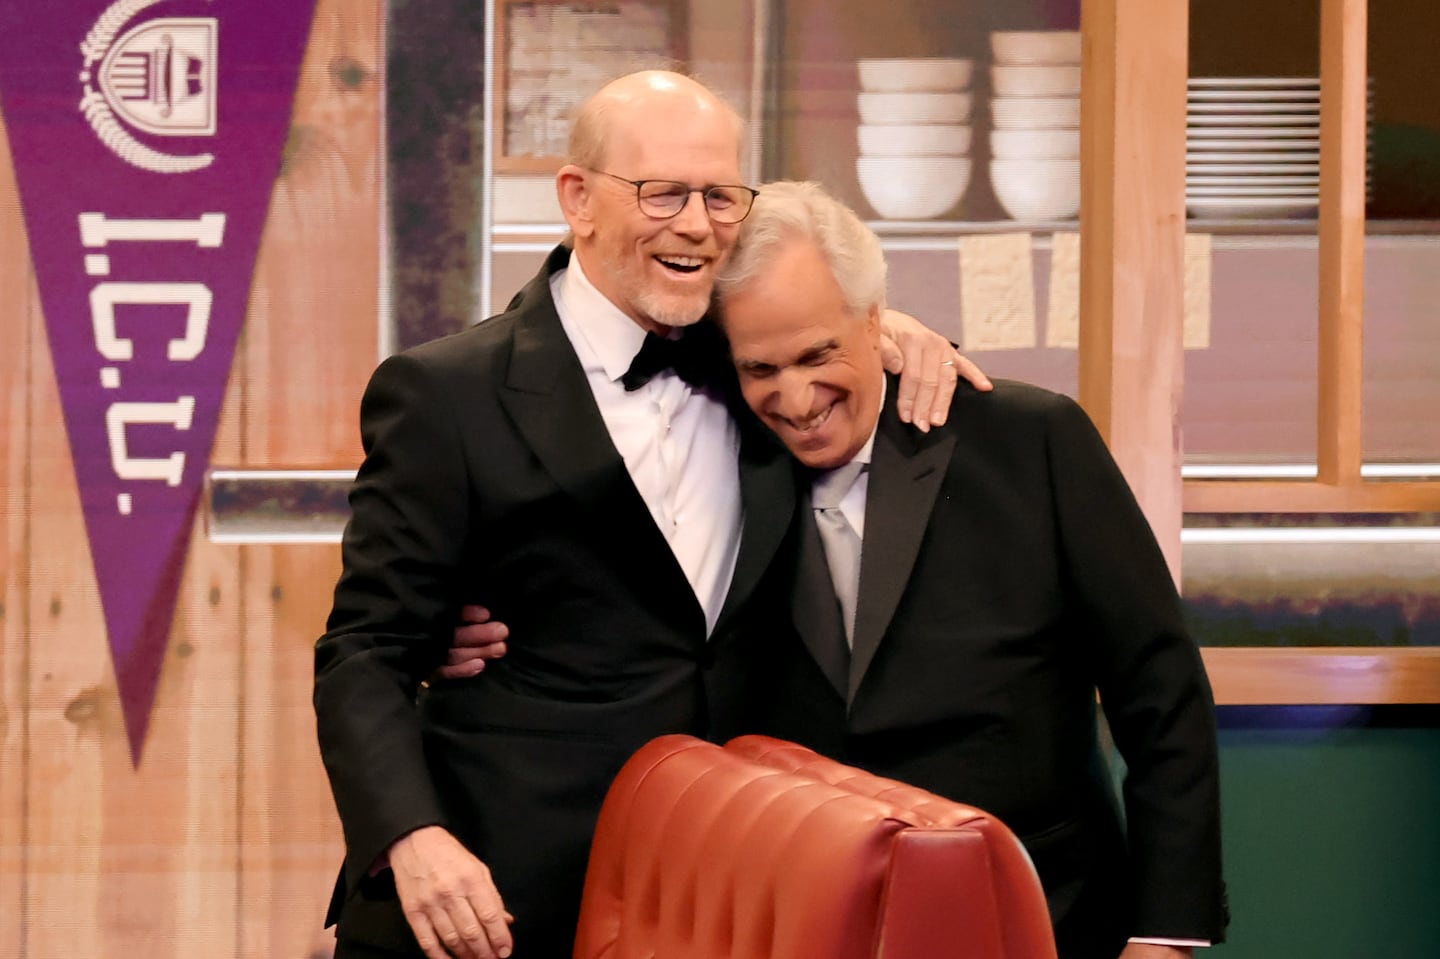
<point x="809" y="367"/>
<point x="659" y="272"/>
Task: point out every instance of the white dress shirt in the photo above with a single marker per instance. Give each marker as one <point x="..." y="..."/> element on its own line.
<point x="679" y="444"/>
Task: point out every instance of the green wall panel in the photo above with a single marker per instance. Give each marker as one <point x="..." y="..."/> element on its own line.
<point x="1332" y="833"/>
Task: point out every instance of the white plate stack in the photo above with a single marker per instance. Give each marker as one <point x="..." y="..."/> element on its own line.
<point x="914" y="135"/>
<point x="1035" y="143"/>
<point x="1252" y="147"/>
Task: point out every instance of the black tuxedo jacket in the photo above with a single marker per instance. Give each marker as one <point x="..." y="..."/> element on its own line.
<point x="1007" y="574"/>
<point x="489" y="477"/>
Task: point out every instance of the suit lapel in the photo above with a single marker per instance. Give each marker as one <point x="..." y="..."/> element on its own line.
<point x="546" y="395"/>
<point x="906" y="470"/>
<point x="767" y="496"/>
<point x="813" y="607"/>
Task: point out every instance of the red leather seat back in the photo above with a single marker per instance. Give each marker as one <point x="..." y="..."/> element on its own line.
<point x="765" y="849"/>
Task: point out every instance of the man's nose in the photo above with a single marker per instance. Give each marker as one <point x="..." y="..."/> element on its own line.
<point x="693" y="219"/>
<point x="796" y="395"/>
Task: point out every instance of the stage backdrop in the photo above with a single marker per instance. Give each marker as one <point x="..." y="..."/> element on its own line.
<point x="211" y="832"/>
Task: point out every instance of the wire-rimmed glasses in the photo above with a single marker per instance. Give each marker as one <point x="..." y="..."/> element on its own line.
<point x="663" y="199"/>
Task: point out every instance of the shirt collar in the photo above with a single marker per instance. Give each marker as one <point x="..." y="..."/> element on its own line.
<point x="869" y="448"/>
<point x="613" y="337"/>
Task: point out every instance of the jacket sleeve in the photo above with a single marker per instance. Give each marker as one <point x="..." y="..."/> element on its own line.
<point x="1152" y="684"/>
<point x="393" y="612"/>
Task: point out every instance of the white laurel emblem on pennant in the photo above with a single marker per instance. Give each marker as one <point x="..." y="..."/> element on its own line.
<point x="160" y="77"/>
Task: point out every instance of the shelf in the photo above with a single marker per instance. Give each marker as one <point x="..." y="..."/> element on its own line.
<point x="1260" y="676"/>
<point x="931" y="228"/>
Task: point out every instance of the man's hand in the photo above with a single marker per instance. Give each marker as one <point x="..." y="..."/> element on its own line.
<point x="449" y="899"/>
<point x="476" y="640"/>
<point x="1149" y="950"/>
<point x="929" y="368"/>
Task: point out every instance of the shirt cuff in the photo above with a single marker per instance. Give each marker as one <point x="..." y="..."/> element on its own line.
<point x="1154" y="941"/>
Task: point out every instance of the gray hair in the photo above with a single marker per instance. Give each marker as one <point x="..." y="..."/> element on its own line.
<point x="788" y="210"/>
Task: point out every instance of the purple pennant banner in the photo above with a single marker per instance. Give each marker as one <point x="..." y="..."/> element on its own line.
<point x="147" y="135"/>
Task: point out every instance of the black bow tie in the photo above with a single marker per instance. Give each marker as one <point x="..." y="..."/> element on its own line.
<point x="690" y="356"/>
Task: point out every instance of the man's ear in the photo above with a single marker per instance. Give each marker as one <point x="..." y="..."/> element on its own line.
<point x="573" y="191"/>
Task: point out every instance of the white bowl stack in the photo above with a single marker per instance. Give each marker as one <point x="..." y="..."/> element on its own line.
<point x="914" y="135"/>
<point x="1035" y="114"/>
<point x="1252" y="147"/>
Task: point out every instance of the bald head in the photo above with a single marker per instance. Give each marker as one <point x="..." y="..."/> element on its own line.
<point x="638" y="101"/>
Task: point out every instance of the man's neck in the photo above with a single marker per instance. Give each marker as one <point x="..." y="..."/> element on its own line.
<point x="584" y="258"/>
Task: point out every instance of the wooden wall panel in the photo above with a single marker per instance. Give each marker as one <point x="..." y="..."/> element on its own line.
<point x="123" y="860"/>
<point x="169" y="828"/>
<point x="312" y="334"/>
<point x="194" y="740"/>
<point x="74" y="728"/>
<point x="224" y="841"/>
<point x="19" y="317"/>
<point x="291" y="850"/>
<point x="311" y="342"/>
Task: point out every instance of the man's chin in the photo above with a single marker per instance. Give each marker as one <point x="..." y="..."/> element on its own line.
<point x="819" y="459"/>
<point x="672" y="312"/>
<point x="816" y="452"/>
<point x="684" y="320"/>
<point x="676" y="318"/>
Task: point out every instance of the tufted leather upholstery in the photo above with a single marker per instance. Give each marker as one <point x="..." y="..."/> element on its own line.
<point x="767" y="850"/>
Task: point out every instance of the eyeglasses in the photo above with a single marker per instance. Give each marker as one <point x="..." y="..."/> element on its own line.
<point x="663" y="199"/>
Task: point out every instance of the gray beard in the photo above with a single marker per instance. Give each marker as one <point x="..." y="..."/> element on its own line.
<point x="661" y="310"/>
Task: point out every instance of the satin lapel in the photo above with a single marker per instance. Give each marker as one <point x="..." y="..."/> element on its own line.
<point x="546" y="395"/>
<point x="767" y="496"/>
<point x="906" y="470"/>
<point x="813" y="607"/>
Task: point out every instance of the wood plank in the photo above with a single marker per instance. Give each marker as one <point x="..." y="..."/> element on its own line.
<point x="74" y="727"/>
<point x="170" y="827"/>
<point x="1342" y="239"/>
<point x="1132" y="245"/>
<point x="1253" y="676"/>
<point x="19" y="318"/>
<point x="292" y="847"/>
<point x="311" y="340"/>
<point x="192" y="756"/>
<point x="312" y="330"/>
<point x="1279" y="496"/>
